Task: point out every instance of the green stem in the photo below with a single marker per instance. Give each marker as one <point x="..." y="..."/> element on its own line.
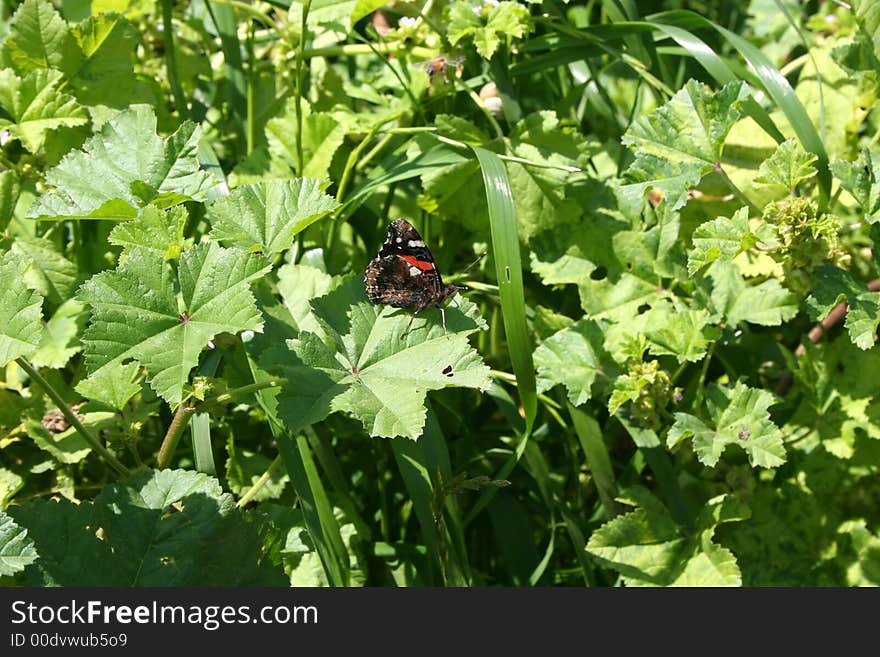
<point x="300" y="63"/>
<point x="754" y="209"/>
<point x="229" y="395"/>
<point x="259" y="483"/>
<point x="181" y="419"/>
<point x="171" y="59"/>
<point x="248" y="9"/>
<point x="350" y="49"/>
<point x="68" y="413"/>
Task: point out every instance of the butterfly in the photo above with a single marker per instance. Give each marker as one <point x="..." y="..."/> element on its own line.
<point x="404" y="274"/>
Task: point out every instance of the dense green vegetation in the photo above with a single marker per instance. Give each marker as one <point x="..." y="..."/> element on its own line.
<point x="663" y="373"/>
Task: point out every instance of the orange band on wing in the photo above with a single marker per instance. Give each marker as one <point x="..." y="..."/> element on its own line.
<point x="419" y="264"/>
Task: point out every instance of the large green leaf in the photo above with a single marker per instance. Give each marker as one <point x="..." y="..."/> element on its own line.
<point x="862" y="180"/>
<point x="267" y="215"/>
<point x="39" y="39"/>
<point x="681" y="141"/>
<point x="125" y="167"/>
<point x="16" y="549"/>
<point x="736" y="416"/>
<point x="375" y="369"/>
<point x="836" y="285"/>
<point x="648" y="549"/>
<point x="574" y="357"/>
<point x="20" y="326"/>
<point x="158" y="528"/>
<point x="35" y="105"/>
<point x="136" y="315"/>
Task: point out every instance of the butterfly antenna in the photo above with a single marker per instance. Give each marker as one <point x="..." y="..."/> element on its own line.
<point x="479" y="257"/>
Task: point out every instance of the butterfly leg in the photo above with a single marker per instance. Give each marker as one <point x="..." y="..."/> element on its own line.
<point x="412" y="317"/>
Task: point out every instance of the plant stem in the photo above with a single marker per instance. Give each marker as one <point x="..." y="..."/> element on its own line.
<point x="93" y="442"/>
<point x="259" y="483"/>
<point x="300" y="63"/>
<point x="754" y="209"/>
<point x="171" y="59"/>
<point x="246" y="390"/>
<point x="175" y="430"/>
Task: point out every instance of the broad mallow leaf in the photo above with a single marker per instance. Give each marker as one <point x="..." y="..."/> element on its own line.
<point x="35" y="105"/>
<point x="157" y="528"/>
<point x="16" y="549"/>
<point x="125" y="167"/>
<point x="681" y="141"/>
<point x="574" y="357"/>
<point x="374" y="368"/>
<point x="138" y="315"/>
<point x="834" y="285"/>
<point x="736" y="416"/>
<point x="267" y="215"/>
<point x="20" y="327"/>
<point x="648" y="548"/>
<point x="862" y="180"/>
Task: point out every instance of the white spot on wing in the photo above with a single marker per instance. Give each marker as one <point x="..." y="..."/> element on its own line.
<point x="414" y="271"/>
<point x="414" y="242"/>
<point x="398" y="240"/>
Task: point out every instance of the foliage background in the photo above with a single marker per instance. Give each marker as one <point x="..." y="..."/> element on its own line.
<point x="664" y="372"/>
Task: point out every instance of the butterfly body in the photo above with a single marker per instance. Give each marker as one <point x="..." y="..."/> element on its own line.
<point x="404" y="274"/>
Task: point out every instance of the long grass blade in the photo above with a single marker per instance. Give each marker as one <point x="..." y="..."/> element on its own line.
<point x="508" y="269"/>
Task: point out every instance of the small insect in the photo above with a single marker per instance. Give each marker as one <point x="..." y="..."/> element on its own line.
<point x="440" y="64"/>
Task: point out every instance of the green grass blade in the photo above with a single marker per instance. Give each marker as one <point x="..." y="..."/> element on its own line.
<point x="321" y="523"/>
<point x="317" y="510"/>
<point x="508" y="269"/>
<point x="171" y="59"/>
<point x="590" y="437"/>
<point x="226" y="25"/>
<point x="200" y="424"/>
<point x="660" y="463"/>
<point x="420" y="463"/>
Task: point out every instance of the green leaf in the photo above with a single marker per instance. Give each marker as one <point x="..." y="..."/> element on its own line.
<point x="10" y="189"/>
<point x="322" y="135"/>
<point x="39" y="39"/>
<point x="61" y="337"/>
<point x="10" y="484"/>
<point x="16" y="549"/>
<point x="20" y="326"/>
<point x="113" y="385"/>
<point x="834" y="285"/>
<point x="681" y="332"/>
<point x="106" y="75"/>
<point x="722" y="238"/>
<point x="375" y="369"/>
<point x="298" y="284"/>
<point x="65" y="447"/>
<point x="153" y="230"/>
<point x="488" y="25"/>
<point x="46" y="270"/>
<point x="266" y="216"/>
<point x="862" y="180"/>
<point x="648" y="549"/>
<point x="244" y="468"/>
<point x="136" y="316"/>
<point x="158" y="528"/>
<point x="765" y="304"/>
<point x="35" y="105"/>
<point x="574" y="357"/>
<point x="789" y="166"/>
<point x="125" y="167"/>
<point x="679" y="142"/>
<point x="736" y="416"/>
